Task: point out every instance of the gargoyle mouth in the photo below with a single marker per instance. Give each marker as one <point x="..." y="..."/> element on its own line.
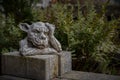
<point x="41" y="46"/>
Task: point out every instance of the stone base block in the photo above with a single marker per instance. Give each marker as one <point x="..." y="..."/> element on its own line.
<point x="65" y="62"/>
<point x="38" y="67"/>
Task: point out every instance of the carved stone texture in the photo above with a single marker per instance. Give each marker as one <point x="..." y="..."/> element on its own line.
<point x="38" y="67"/>
<point x="40" y="39"/>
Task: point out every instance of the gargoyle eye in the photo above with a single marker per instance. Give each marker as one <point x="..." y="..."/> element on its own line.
<point x="35" y="31"/>
<point x="46" y="33"/>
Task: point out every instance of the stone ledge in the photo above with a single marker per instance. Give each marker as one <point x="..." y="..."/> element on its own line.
<point x="7" y="77"/>
<point x="78" y="75"/>
<point x="73" y="75"/>
<point x="39" y="67"/>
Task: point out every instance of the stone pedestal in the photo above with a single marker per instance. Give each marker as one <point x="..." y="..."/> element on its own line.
<point x="38" y="67"/>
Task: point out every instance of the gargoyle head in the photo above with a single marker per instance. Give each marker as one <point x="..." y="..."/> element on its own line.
<point x="37" y="34"/>
<point x="41" y="35"/>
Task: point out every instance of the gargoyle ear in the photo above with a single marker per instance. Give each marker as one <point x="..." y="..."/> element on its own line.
<point x="51" y="27"/>
<point x="24" y="26"/>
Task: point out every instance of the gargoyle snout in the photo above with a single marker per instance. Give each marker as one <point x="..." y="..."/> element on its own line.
<point x="42" y="36"/>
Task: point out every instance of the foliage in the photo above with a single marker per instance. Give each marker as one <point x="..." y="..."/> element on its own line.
<point x="19" y="9"/>
<point x="12" y="13"/>
<point x="10" y="34"/>
<point x="89" y="37"/>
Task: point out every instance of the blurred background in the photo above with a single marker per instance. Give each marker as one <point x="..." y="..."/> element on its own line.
<point x="90" y="29"/>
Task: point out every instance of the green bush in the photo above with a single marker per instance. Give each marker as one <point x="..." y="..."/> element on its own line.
<point x="89" y="37"/>
<point x="14" y="12"/>
<point x="10" y="34"/>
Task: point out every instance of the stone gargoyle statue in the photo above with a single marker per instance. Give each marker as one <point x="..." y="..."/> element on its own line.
<point x="40" y="39"/>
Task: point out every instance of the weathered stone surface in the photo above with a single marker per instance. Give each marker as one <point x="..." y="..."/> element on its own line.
<point x="39" y="67"/>
<point x="78" y="75"/>
<point x="65" y="62"/>
<point x="7" y="77"/>
<point x="61" y="79"/>
<point x="13" y="64"/>
<point x="72" y="75"/>
<point x="42" y="67"/>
